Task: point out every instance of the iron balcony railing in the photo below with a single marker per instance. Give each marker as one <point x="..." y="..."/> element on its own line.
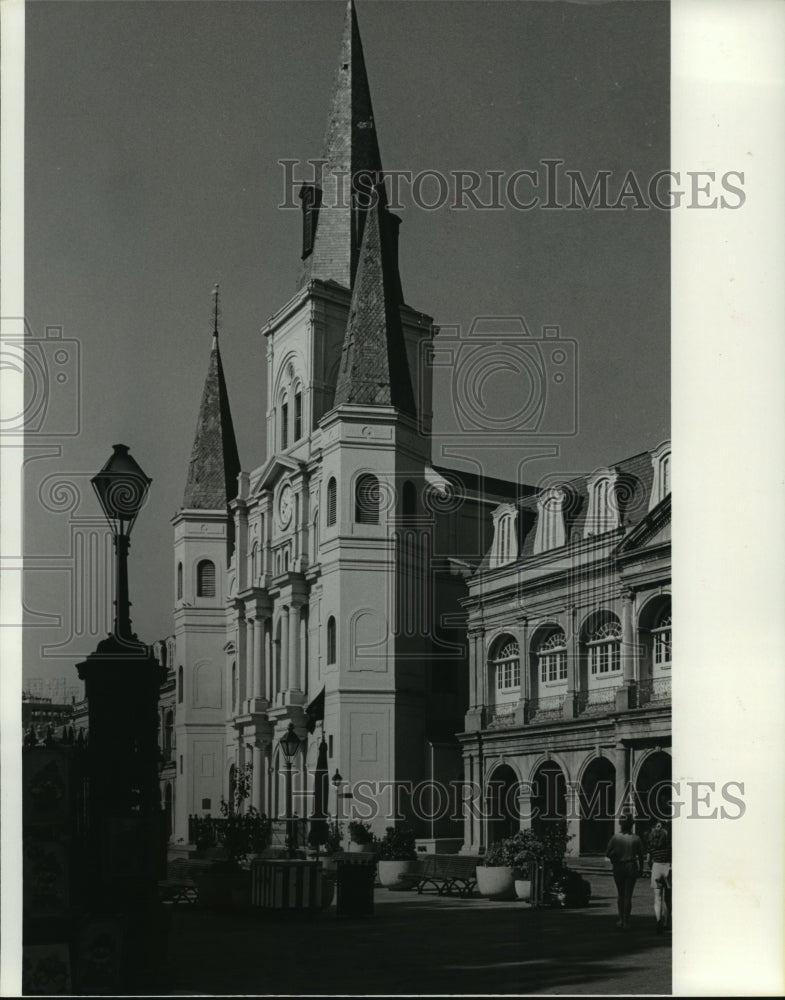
<point x="597" y="701"/>
<point x="503" y="715"/>
<point x="657" y="690"/>
<point x="550" y="707"/>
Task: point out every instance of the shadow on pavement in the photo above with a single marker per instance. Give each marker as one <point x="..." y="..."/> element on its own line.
<point x="420" y="945"/>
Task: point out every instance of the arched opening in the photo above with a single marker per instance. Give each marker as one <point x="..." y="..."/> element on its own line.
<point x="234" y="687"/>
<point x="168" y="810"/>
<point x="504" y="675"/>
<point x="655" y="636"/>
<point x="168" y="733"/>
<point x="502" y="801"/>
<point x="653" y="789"/>
<point x="547" y="671"/>
<point x="597" y="798"/>
<point x="205" y="579"/>
<point x="179" y="581"/>
<point x="549" y="797"/>
<point x="180" y="684"/>
<point x="232" y="786"/>
<point x="284" y="422"/>
<point x="332" y="502"/>
<point x="331" y="640"/>
<point x="409" y="499"/>
<point x="315" y="538"/>
<point x="599" y="661"/>
<point x="367" y="500"/>
<point x="298" y="414"/>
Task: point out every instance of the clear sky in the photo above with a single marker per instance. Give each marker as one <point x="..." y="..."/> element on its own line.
<point x="153" y="135"/>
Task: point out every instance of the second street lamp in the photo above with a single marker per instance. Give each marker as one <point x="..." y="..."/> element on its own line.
<point x="289" y="744"/>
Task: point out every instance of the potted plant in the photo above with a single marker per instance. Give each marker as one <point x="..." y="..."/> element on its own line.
<point x="547" y="848"/>
<point x="228" y="879"/>
<point x="361" y="837"/>
<point x="496" y="874"/>
<point x="397" y="854"/>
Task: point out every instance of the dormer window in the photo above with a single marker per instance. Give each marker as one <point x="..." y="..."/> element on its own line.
<point x="550" y="532"/>
<point x="603" y="513"/>
<point x="505" y="535"/>
<point x="661" y="464"/>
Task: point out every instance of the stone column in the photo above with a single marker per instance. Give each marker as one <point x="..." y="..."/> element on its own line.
<point x="257" y="779"/>
<point x="284" y="648"/>
<point x="472" y="670"/>
<point x="294" y="649"/>
<point x="269" y="686"/>
<point x="622" y="761"/>
<point x="247" y="694"/>
<point x="239" y="663"/>
<point x="572" y="803"/>
<point x="258" y="658"/>
<point x="628" y="644"/>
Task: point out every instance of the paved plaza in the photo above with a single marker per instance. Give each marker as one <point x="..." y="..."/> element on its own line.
<point x="425" y="944"/>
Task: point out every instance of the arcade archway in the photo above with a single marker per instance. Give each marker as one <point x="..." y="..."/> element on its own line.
<point x="597" y="797"/>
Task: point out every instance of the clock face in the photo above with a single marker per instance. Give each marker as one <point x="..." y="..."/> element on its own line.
<point x="285" y="506"/>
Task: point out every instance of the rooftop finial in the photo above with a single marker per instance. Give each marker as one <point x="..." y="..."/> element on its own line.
<point x="215" y="311"/>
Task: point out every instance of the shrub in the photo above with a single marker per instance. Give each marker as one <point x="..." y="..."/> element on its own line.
<point x="360" y="832"/>
<point x="398" y="844"/>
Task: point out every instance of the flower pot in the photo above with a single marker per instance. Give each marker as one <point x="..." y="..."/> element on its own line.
<point x="361" y="848"/>
<point x="496" y="883"/>
<point x="391" y="873"/>
<point x="523" y="888"/>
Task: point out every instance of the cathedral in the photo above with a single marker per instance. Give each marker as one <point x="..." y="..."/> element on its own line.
<point x="330" y="576"/>
<point x="435" y="628"/>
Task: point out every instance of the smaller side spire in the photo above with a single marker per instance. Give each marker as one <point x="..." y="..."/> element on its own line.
<point x="215" y="310"/>
<point x="215" y="463"/>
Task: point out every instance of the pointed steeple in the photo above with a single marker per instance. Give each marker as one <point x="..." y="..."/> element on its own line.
<point x="353" y="167"/>
<point x="374" y="369"/>
<point x="215" y="463"/>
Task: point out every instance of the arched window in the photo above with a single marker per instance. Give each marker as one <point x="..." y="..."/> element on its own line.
<point x="331" y="640"/>
<point x="507" y="666"/>
<point x="332" y="503"/>
<point x="180" y="684"/>
<point x="234" y="686"/>
<point x="367" y="498"/>
<point x="315" y="538"/>
<point x="179" y="581"/>
<point x="661" y="636"/>
<point x="409" y="504"/>
<point x="552" y="656"/>
<point x="168" y="730"/>
<point x="205" y="579"/>
<point x="298" y="415"/>
<point x="604" y="648"/>
<point x="286" y="561"/>
<point x="284" y="423"/>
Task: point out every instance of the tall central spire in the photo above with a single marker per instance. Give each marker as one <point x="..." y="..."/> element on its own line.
<point x="351" y="152"/>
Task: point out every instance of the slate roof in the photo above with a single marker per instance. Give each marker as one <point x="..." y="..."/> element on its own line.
<point x="374" y="370"/>
<point x="350" y="147"/>
<point x="215" y="463"/>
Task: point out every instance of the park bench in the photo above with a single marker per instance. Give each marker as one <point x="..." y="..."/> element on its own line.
<point x="446" y="872"/>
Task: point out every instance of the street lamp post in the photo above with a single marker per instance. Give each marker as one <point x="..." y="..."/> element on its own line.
<point x="336" y="782"/>
<point x="289" y="744"/>
<point x="122" y="683"/>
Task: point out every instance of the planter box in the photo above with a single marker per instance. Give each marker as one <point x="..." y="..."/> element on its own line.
<point x="496" y="883"/>
<point x="391" y="873"/>
<point x="523" y="889"/>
